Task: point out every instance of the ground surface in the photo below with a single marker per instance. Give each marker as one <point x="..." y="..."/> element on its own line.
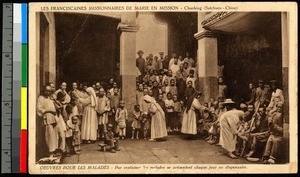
<point x="176" y="150"/>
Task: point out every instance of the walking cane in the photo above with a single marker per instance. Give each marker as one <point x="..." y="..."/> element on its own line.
<point x="251" y="125"/>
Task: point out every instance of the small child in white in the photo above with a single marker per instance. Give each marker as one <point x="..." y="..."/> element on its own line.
<point x="73" y="136"/>
<point x="121" y="119"/>
<point x="136" y="123"/>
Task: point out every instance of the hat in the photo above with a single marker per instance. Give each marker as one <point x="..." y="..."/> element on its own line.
<point x="109" y="125"/>
<point x="273" y="81"/>
<point x="260" y="81"/>
<point x="161" y="53"/>
<point x="140" y="51"/>
<point x="122" y="102"/>
<point x="242" y="105"/>
<point x="228" y="101"/>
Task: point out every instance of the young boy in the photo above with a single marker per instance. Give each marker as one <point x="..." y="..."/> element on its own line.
<point x="170" y="111"/>
<point x="73" y="136"/>
<point x="110" y="115"/>
<point x="111" y="140"/>
<point x="139" y="93"/>
<point x="164" y="89"/>
<point x="172" y="88"/>
<point x="121" y="119"/>
<point x="136" y="123"/>
<point x="177" y="112"/>
<point x="192" y="78"/>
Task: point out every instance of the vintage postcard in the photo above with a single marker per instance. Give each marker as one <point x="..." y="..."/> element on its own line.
<point x="163" y="88"/>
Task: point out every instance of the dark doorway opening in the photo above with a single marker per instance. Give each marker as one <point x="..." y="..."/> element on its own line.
<point x="88" y="48"/>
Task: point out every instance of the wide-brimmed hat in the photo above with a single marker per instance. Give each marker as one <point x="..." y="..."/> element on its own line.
<point x="140" y="51"/>
<point x="161" y="53"/>
<point x="229" y="101"/>
<point x="273" y="81"/>
<point x="260" y="81"/>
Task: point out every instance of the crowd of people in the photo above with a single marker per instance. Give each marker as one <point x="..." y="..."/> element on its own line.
<point x="167" y="102"/>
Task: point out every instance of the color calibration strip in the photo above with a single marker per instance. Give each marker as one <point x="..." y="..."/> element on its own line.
<point x="19" y="115"/>
<point x="23" y="151"/>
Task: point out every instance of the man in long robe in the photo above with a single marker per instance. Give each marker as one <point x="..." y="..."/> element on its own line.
<point x="46" y="110"/>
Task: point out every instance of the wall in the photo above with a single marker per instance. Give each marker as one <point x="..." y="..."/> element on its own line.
<point x="181" y="29"/>
<point x="152" y="36"/>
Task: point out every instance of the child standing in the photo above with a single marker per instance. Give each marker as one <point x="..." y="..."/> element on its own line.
<point x="136" y="124"/>
<point x="121" y="119"/>
<point x="73" y="136"/>
<point x="172" y="88"/>
<point x="177" y="112"/>
<point x="145" y="124"/>
<point x="164" y="89"/>
<point x="169" y="114"/>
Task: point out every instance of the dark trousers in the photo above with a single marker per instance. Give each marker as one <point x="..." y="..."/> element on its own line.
<point x="69" y="145"/>
<point x="170" y="120"/>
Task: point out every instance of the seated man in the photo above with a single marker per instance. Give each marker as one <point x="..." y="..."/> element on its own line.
<point x="275" y="140"/>
<point x="111" y="140"/>
<point x="260" y="133"/>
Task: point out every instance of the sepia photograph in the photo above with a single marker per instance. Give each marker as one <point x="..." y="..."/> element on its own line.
<point x="202" y="85"/>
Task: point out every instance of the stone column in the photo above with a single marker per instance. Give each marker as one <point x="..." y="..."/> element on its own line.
<point x="285" y="81"/>
<point x="51" y="68"/>
<point x="207" y="61"/>
<point x="128" y="30"/>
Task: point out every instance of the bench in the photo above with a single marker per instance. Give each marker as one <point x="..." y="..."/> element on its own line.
<point x="103" y="146"/>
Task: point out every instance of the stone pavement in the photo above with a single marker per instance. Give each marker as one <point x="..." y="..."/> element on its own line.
<point x="175" y="150"/>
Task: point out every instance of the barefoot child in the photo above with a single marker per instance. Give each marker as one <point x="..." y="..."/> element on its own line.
<point x="73" y="136"/>
<point x="177" y="112"/>
<point x="121" y="119"/>
<point x="136" y="124"/>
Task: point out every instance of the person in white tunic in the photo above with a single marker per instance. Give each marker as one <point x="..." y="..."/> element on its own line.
<point x="89" y="125"/>
<point x="189" y="120"/>
<point x="229" y="122"/>
<point x="158" y="120"/>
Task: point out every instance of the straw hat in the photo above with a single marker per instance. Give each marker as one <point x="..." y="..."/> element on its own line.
<point x="229" y="101"/>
